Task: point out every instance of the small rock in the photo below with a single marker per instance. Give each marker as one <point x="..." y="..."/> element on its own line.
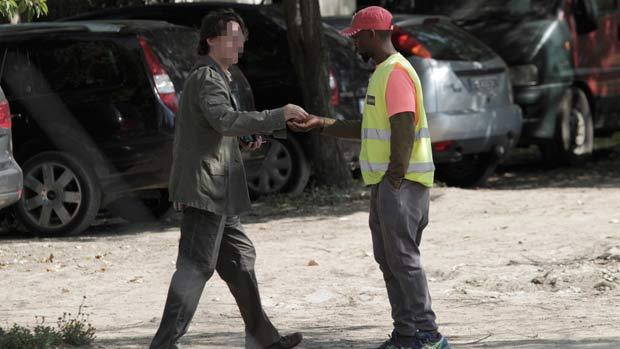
<point x="65" y="290"/>
<point x="313" y="263"/>
<point x="603" y="286"/>
<point x="614" y="221"/>
<point x="539" y="280"/>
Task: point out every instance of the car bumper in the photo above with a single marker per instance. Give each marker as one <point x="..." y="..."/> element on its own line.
<point x="11" y="183"/>
<point x="540" y="107"/>
<point x="473" y="132"/>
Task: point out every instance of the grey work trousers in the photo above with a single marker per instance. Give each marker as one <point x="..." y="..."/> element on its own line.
<point x="397" y="219"/>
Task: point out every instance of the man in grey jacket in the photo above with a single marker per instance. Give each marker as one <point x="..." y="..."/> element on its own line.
<point x="208" y="182"/>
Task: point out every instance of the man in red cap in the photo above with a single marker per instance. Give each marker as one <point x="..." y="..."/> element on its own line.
<point x="397" y="162"/>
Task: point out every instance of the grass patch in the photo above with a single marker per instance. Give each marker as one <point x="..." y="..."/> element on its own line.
<point x="69" y="330"/>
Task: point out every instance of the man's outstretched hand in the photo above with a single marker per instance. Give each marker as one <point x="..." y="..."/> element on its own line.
<point x="309" y="124"/>
<point x="295" y="113"/>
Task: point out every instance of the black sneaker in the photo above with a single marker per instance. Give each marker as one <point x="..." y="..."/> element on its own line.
<point x="389" y="344"/>
<point x="287" y="342"/>
<point x="428" y="340"/>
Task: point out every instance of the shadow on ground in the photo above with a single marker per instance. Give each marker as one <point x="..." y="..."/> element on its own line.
<point x="599" y="343"/>
<point x="526" y="170"/>
<point x="332" y="338"/>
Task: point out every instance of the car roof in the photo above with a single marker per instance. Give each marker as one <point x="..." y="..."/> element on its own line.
<point x="93" y="26"/>
<point x="398" y="19"/>
<point x="155" y="7"/>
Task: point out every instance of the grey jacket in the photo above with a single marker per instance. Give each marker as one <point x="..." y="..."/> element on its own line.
<point x="207" y="169"/>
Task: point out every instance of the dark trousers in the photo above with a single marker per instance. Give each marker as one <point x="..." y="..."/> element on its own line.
<point x="210" y="243"/>
<point x="397" y="219"/>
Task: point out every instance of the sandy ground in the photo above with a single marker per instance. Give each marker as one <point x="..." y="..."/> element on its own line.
<point x="533" y="261"/>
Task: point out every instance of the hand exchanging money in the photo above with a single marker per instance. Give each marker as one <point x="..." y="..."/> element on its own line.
<point x="294" y="112"/>
<point x="309" y="124"/>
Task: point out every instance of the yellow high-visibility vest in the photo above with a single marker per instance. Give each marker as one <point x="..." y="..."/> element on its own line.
<point x="376" y="130"/>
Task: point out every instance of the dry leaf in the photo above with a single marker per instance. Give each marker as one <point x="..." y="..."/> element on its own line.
<point x="137" y="280"/>
<point x="313" y="263"/>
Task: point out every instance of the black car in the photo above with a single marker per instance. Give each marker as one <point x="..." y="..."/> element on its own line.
<point x="281" y="165"/>
<point x="95" y="107"/>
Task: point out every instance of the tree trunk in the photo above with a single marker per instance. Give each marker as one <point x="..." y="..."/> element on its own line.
<point x="309" y="57"/>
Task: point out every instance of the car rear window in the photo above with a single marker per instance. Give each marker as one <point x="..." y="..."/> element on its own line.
<point x="176" y="48"/>
<point x="79" y="65"/>
<point x="445" y="41"/>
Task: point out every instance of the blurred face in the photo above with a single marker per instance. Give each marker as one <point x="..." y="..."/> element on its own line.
<point x="228" y="48"/>
<point x="365" y="43"/>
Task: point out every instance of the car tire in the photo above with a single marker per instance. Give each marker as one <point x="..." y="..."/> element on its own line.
<point x="282" y="168"/>
<point x="573" y="142"/>
<point x="149" y="207"/>
<point x="471" y="171"/>
<point x="61" y="195"/>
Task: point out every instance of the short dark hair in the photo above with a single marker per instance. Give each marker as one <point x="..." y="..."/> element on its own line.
<point x="214" y="24"/>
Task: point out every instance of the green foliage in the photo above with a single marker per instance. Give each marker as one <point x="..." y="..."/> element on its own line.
<point x="69" y="330"/>
<point x="27" y="9"/>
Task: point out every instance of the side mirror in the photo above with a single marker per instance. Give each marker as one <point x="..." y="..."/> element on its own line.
<point x="586" y="16"/>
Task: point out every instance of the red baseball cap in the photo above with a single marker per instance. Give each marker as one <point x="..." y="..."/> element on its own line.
<point x="369" y="18"/>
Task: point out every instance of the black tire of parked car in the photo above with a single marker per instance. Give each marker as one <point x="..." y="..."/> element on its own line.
<point x="61" y="195"/>
<point x="574" y="132"/>
<point x="148" y="207"/>
<point x="284" y="169"/>
<point x="471" y="171"/>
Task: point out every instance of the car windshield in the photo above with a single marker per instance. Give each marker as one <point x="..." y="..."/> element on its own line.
<point x="472" y="9"/>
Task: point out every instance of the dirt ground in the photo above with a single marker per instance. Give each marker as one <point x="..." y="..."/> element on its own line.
<point x="532" y="261"/>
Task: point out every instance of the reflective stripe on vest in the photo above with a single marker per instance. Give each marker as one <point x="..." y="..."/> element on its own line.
<point x="384" y="135"/>
<point x="375" y="151"/>
<point x="382" y="167"/>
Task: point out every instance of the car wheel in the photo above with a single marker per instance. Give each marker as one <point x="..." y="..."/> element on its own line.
<point x="149" y="206"/>
<point x="61" y="195"/>
<point x="471" y="171"/>
<point x="280" y="167"/>
<point x="574" y="135"/>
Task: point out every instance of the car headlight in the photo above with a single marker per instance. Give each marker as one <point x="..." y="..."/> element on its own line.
<point x="524" y="75"/>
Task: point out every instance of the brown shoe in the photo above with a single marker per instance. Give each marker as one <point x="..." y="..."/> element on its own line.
<point x="287" y="342"/>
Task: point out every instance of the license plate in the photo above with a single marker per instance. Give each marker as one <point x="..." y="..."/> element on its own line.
<point x="484" y="85"/>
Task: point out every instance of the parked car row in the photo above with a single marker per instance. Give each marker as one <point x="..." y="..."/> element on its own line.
<point x="94" y="99"/>
<point x="475" y="125"/>
<point x="281" y="166"/>
<point x="563" y="58"/>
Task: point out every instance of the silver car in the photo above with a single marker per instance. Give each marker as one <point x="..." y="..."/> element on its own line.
<point x="472" y="117"/>
<point x="10" y="173"/>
